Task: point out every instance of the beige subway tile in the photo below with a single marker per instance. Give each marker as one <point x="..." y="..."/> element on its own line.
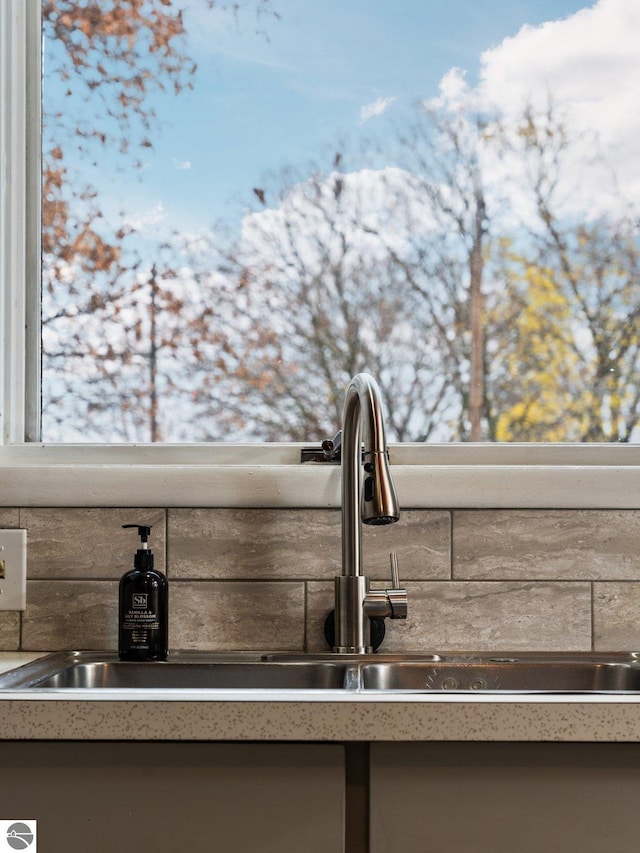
<point x="320" y="602"/>
<point x="400" y="635"/>
<point x="422" y="540"/>
<point x="236" y="615"/>
<point x="88" y="543"/>
<point x="9" y="630"/>
<point x="546" y="544"/>
<point x="9" y="517"/>
<point x="70" y="615"/>
<point x="616" y="616"/>
<point x="480" y="616"/>
<point x="299" y="544"/>
<point x="243" y="544"/>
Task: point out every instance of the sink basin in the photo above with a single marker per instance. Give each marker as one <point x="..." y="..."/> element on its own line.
<point x="506" y="675"/>
<point x="196" y="676"/>
<point x="418" y="673"/>
<point x="83" y="671"/>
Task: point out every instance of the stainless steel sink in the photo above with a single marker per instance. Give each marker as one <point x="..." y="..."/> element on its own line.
<point x="419" y="673"/>
<point x="530" y="675"/>
<point x="86" y="671"/>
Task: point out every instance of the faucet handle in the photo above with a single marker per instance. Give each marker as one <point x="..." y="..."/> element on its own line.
<point x="395" y="577"/>
<point x="397" y="596"/>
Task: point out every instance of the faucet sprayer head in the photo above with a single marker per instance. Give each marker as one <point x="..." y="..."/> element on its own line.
<point x="379" y="498"/>
<point x="363" y="410"/>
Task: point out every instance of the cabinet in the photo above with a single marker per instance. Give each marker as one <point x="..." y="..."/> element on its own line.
<point x="504" y="798"/>
<point x="324" y="798"/>
<point x="167" y="797"/>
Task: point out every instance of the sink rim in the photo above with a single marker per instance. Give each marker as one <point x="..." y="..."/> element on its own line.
<point x="28" y="676"/>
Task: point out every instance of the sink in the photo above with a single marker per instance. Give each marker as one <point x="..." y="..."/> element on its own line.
<point x="372" y="674"/>
<point x="569" y="675"/>
<point x="182" y="671"/>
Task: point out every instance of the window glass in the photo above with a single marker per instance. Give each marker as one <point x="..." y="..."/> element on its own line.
<point x="246" y="203"/>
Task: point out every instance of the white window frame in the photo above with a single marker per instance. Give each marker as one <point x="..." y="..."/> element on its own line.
<point x="229" y="475"/>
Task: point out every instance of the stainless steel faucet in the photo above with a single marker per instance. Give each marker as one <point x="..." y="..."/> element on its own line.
<point x="373" y="501"/>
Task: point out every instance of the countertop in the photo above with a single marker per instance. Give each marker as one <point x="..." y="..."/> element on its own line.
<point x="318" y="715"/>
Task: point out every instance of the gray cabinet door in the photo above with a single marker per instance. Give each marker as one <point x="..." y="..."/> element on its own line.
<point x="168" y="797"/>
<point x="505" y="798"/>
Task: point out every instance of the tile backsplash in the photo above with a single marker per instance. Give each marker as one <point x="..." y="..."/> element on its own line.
<point x="263" y="579"/>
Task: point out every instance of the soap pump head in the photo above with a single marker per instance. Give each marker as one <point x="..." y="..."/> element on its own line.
<point x="144" y="556"/>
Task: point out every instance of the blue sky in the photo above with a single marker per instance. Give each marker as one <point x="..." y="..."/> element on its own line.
<point x="265" y="103"/>
<point x="262" y="101"/>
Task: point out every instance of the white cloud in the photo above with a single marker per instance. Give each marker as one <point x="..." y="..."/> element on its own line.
<point x="181" y="165"/>
<point x="146" y="218"/>
<point x="588" y="66"/>
<point x="586" y="58"/>
<point x="454" y="91"/>
<point x="375" y="108"/>
<point x="375" y="210"/>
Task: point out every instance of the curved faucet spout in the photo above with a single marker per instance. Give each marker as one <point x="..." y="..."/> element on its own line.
<point x="373" y="501"/>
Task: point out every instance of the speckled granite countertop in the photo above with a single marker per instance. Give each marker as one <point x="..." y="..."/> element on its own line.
<point x="319" y="715"/>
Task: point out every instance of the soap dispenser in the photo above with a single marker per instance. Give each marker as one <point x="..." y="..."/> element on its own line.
<point x="143" y="606"/>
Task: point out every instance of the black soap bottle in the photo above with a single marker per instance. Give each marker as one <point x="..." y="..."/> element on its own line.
<point x="143" y="607"/>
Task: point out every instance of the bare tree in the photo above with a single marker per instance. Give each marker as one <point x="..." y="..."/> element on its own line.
<point x="317" y="299"/>
<point x="596" y="266"/>
<point x="444" y="258"/>
<point x="108" y="59"/>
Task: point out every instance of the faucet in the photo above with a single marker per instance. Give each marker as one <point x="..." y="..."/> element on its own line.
<point x="372" y="502"/>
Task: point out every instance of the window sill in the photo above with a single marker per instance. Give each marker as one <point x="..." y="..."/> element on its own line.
<point x="426" y="476"/>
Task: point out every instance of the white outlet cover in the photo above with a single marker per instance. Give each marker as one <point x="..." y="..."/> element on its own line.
<point x="13" y="586"/>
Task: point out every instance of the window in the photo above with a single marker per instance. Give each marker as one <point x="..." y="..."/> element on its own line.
<point x="458" y="217"/>
<point x="385" y="229"/>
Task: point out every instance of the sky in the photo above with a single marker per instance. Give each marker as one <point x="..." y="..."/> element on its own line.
<point x="330" y="71"/>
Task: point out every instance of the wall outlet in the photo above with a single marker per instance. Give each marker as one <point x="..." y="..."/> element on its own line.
<point x="13" y="569"/>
